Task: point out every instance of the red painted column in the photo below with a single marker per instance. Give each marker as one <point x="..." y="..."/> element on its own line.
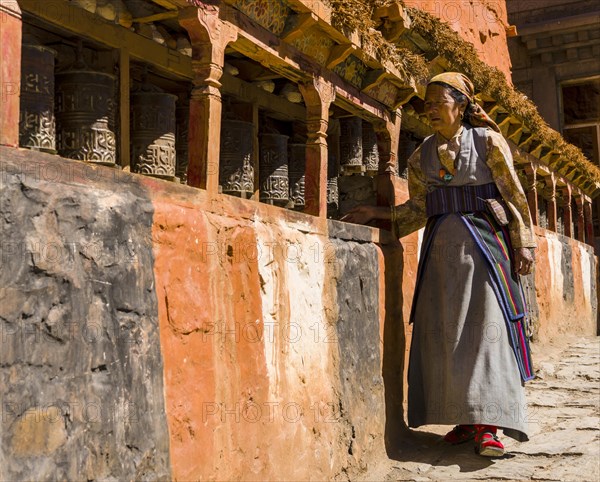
<point x="388" y="136"/>
<point x="552" y="214"/>
<point x="567" y="211"/>
<point x="209" y="37"/>
<point x="318" y="96"/>
<point x="589" y="226"/>
<point x="580" y="218"/>
<point x="532" y="194"/>
<point x="10" y="71"/>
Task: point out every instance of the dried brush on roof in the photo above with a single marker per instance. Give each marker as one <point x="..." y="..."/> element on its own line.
<point x="356" y="15"/>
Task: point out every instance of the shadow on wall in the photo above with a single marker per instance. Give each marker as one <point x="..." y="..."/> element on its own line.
<point x="394" y="348"/>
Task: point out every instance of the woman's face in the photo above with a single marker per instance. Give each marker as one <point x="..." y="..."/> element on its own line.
<point x="443" y="112"/>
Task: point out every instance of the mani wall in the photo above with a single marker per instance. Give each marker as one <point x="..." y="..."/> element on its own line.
<point x="149" y="331"/>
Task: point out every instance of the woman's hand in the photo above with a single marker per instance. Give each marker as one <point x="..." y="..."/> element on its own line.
<point x="523" y="261"/>
<point x="359" y="215"/>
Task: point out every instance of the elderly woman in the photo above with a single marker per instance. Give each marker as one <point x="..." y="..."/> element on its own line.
<point x="469" y="355"/>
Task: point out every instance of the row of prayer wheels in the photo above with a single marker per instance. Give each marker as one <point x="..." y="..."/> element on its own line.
<point x="72" y="113"/>
<point x="358" y="146"/>
<point x="281" y="165"/>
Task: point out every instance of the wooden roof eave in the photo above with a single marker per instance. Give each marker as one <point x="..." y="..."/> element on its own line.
<point x="347" y="43"/>
<point x="269" y="50"/>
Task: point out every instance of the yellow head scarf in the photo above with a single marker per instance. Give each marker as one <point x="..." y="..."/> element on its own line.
<point x="477" y="117"/>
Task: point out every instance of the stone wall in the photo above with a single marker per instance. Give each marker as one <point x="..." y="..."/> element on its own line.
<point x="81" y="372"/>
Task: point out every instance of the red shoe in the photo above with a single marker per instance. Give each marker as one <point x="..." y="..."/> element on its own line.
<point x="488" y="443"/>
<point x="460" y="434"/>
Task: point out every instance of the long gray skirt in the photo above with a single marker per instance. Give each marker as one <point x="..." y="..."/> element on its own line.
<point x="462" y="369"/>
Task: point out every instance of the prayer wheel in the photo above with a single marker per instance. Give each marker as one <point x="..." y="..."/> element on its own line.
<point x="85" y="115"/>
<point x="182" y="114"/>
<point x="333" y="195"/>
<point x="273" y="169"/>
<point x="236" y="171"/>
<point x="351" y="146"/>
<point x="297" y="171"/>
<point x="369" y="147"/>
<point x="153" y="132"/>
<point x="37" y="126"/>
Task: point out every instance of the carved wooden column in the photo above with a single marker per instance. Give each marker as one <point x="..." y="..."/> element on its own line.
<point x="10" y="71"/>
<point x="589" y="225"/>
<point x="551" y="209"/>
<point x="209" y="37"/>
<point x="567" y="211"/>
<point x="532" y="194"/>
<point x="580" y="218"/>
<point x="318" y="96"/>
<point x="388" y="135"/>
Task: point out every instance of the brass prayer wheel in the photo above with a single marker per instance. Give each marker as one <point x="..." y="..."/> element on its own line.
<point x="153" y="132"/>
<point x="297" y="172"/>
<point x="182" y="114"/>
<point x="37" y="126"/>
<point x="369" y="147"/>
<point x="236" y="171"/>
<point x="85" y="115"/>
<point x="351" y="146"/>
<point x="273" y="169"/>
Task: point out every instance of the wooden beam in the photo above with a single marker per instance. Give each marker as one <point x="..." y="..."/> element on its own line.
<point x="89" y="26"/>
<point x="157" y="17"/>
<point x="372" y="78"/>
<point x="165" y="4"/>
<point x="317" y="7"/>
<point x="247" y="92"/>
<point x="297" y="25"/>
<point x="339" y="53"/>
<point x="267" y="49"/>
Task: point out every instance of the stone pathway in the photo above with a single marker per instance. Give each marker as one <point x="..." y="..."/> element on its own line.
<point x="564" y="418"/>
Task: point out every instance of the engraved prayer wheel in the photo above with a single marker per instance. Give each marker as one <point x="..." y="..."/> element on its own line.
<point x="153" y="133"/>
<point x="297" y="172"/>
<point x="182" y="114"/>
<point x="369" y="148"/>
<point x="236" y="171"/>
<point x="37" y="126"/>
<point x="85" y="127"/>
<point x="273" y="169"/>
<point x="333" y="195"/>
<point x="351" y="146"/>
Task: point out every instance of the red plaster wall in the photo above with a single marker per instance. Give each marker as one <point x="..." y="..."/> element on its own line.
<point x="481" y="22"/>
<point x="10" y="72"/>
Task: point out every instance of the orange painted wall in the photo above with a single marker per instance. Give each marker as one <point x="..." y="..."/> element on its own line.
<point x="247" y="313"/>
<point x="481" y="22"/>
